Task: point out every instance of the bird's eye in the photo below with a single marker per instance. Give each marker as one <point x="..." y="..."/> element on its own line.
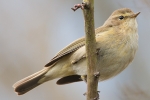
<point x="121" y="17"/>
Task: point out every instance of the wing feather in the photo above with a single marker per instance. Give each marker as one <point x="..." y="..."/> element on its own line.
<point x="73" y="46"/>
<point x="67" y="50"/>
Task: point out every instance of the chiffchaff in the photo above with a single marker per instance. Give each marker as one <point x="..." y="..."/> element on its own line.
<point x="116" y="42"/>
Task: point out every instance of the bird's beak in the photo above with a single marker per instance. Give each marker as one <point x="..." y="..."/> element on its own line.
<point x="135" y="15"/>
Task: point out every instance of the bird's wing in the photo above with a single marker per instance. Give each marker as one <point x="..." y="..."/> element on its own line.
<point x="67" y="50"/>
<point x="73" y="47"/>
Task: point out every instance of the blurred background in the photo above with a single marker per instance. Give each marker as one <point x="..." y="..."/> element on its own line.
<point x="33" y="31"/>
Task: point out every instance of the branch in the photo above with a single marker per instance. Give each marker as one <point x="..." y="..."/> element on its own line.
<point x="92" y="75"/>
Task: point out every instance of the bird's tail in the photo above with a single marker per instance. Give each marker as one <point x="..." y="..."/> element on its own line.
<point x="29" y="82"/>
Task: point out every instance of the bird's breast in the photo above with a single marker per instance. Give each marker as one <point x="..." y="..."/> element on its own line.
<point x="115" y="56"/>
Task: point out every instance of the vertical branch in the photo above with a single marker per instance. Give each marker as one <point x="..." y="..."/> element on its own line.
<point x="92" y="80"/>
<point x="92" y="75"/>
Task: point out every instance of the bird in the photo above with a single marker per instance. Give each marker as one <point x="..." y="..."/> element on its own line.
<point x="116" y="44"/>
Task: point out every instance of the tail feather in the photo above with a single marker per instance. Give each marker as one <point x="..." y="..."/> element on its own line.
<point x="29" y="82"/>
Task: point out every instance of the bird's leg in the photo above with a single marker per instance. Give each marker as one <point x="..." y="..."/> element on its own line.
<point x="96" y="74"/>
<point x="84" y="78"/>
